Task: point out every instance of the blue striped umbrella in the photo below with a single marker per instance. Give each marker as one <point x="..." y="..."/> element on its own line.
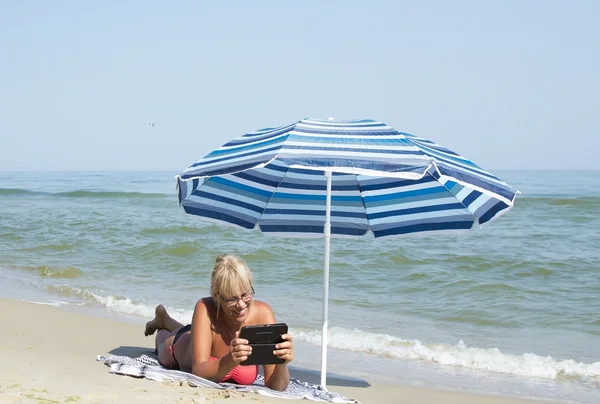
<point x="342" y="178"/>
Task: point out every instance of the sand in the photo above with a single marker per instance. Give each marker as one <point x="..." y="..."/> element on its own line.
<point x="48" y="355"/>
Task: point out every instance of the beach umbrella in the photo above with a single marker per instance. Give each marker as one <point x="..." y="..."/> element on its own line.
<point x="341" y="178"/>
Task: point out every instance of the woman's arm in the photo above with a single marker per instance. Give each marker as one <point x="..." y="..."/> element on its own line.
<point x="201" y="342"/>
<point x="277" y="377"/>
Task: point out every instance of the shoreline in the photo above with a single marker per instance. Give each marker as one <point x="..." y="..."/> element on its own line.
<point x="49" y="355"/>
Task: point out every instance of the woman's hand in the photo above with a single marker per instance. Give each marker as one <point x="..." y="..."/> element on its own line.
<point x="285" y="350"/>
<point x="239" y="348"/>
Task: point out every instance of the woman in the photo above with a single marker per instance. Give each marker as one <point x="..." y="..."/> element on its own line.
<point x="210" y="347"/>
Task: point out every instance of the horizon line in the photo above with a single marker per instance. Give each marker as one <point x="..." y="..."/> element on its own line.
<point x="177" y="171"/>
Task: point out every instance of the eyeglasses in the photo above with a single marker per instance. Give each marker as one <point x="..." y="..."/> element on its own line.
<point x="246" y="297"/>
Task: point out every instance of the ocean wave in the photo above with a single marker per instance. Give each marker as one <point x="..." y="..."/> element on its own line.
<point x="83" y="194"/>
<point x="11" y="236"/>
<point x="479" y="320"/>
<point x="70" y="292"/>
<point x="117" y="303"/>
<point x="492" y="288"/>
<point x="19" y="192"/>
<point x="473" y="358"/>
<point x="51" y="247"/>
<point x="583" y="201"/>
<point x="260" y="255"/>
<point x="177" y="250"/>
<point x="55" y="304"/>
<point x="170" y="230"/>
<point x="109" y="194"/>
<point x="54" y="272"/>
<point x="538" y="271"/>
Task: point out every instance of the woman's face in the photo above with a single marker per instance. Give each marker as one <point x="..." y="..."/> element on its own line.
<point x="237" y="306"/>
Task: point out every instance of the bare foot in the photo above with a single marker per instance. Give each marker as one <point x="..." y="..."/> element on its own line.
<point x="158" y="322"/>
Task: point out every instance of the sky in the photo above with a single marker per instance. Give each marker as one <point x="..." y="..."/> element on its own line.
<point x="511" y="85"/>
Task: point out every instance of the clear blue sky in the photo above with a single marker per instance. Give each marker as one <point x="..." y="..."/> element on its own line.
<point x="509" y="84"/>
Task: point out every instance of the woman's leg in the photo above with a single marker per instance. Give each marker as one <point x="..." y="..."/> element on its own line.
<point x="183" y="351"/>
<point x="164" y="343"/>
<point x="167" y="329"/>
<point x="161" y="321"/>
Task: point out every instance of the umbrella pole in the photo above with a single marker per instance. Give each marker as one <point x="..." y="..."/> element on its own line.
<point x="327" y="237"/>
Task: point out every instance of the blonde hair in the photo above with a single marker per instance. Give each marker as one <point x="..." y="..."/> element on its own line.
<point x="230" y="277"/>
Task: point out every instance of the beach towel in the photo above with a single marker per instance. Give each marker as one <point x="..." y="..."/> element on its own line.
<point x="145" y="366"/>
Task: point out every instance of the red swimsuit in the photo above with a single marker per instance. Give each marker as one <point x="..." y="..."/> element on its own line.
<point x="240" y="374"/>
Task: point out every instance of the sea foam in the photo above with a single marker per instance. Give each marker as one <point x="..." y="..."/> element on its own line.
<point x="459" y="355"/>
<point x="355" y="340"/>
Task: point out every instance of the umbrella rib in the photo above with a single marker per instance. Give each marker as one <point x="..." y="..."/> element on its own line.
<point x="273" y="193"/>
<point x="362" y="200"/>
<point x="450" y="192"/>
<point x="477" y="188"/>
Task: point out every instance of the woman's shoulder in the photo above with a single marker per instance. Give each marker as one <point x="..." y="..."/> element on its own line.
<point x="259" y="304"/>
<point x="205" y="305"/>
<point x="205" y="311"/>
<point x="263" y="313"/>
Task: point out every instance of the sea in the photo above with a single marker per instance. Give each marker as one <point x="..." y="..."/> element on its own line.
<point x="510" y="309"/>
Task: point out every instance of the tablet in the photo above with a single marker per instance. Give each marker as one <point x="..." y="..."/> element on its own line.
<point x="262" y="339"/>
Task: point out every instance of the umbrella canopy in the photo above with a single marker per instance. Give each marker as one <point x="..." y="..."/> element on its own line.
<point x="345" y="178"/>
